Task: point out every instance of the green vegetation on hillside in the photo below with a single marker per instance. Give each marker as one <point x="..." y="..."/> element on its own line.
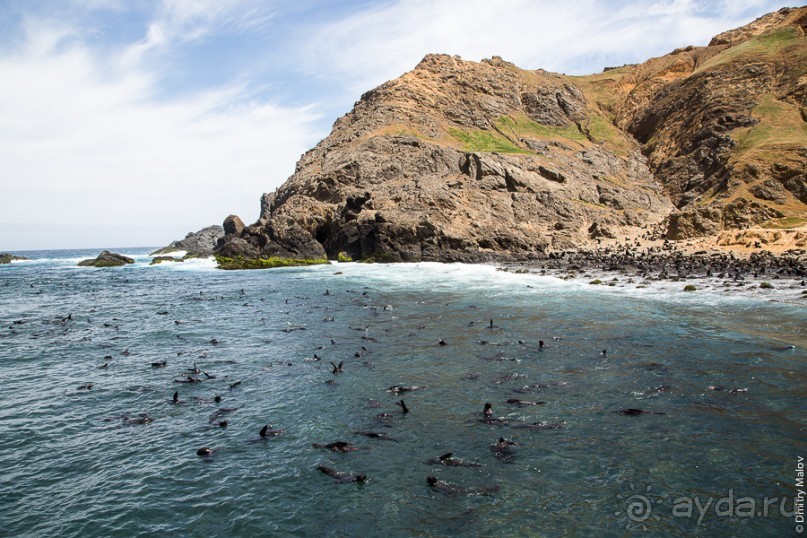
<point x="779" y="123"/>
<point x="521" y="125"/>
<point x="784" y="223"/>
<point x="762" y="45"/>
<point x="485" y="141"/>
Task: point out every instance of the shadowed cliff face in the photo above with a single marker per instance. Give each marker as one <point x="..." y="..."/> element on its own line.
<point x="470" y="161"/>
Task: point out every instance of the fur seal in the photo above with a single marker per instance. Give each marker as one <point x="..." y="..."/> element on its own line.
<point x="446" y="488"/>
<point x="377" y="435"/>
<point x="633" y="412"/>
<point x="188" y="379"/>
<point x="267" y="432"/>
<point x="175" y="400"/>
<point x="142" y="419"/>
<point x="399" y="388"/>
<point x="730" y="391"/>
<point x="450" y="461"/>
<point x="337" y="368"/>
<point x="204" y="452"/>
<point x="522" y="403"/>
<point x="488" y="411"/>
<point x="539" y="426"/>
<point x="402" y="405"/>
<point x="337" y="446"/>
<point x="503" y="451"/>
<point x="222" y="411"/>
<point x="343" y="477"/>
<point x="160" y="364"/>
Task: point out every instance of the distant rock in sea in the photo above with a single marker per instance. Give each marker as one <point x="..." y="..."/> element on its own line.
<point x="107" y="259"/>
<point x="5" y="257"/>
<point x="197" y="244"/>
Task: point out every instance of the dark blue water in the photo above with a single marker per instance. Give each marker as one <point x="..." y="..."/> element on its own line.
<point x="77" y="462"/>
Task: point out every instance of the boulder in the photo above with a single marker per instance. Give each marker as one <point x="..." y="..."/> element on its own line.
<point x="233" y="225"/>
<point x="107" y="259"/>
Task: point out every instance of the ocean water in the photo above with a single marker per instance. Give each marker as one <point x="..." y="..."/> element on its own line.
<point x="79" y="462"/>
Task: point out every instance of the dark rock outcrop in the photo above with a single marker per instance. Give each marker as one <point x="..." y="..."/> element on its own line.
<point x="197" y="244"/>
<point x="107" y="259"/>
<point x="5" y="257"/>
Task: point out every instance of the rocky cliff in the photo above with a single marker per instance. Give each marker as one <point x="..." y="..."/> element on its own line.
<point x="468" y="161"/>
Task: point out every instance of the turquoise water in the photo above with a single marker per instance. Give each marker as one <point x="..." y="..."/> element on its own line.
<point x="76" y="462"/>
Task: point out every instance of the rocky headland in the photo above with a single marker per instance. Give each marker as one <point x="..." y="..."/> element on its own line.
<point x="704" y="148"/>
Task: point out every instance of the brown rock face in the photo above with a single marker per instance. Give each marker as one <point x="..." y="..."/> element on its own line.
<point x="723" y="126"/>
<point x="469" y="161"/>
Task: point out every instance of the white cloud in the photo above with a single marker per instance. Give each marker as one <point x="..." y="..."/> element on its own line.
<point x="373" y="46"/>
<point x="81" y="144"/>
<point x="88" y="136"/>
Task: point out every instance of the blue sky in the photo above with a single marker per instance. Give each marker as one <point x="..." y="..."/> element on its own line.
<point x="133" y="122"/>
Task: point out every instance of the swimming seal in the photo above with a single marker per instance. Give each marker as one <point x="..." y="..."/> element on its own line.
<point x="342" y="477"/>
<point x="633" y="412"/>
<point x="450" y="461"/>
<point x="204" y="452"/>
<point x="267" y="432"/>
<point x="730" y="391"/>
<point x="399" y="388"/>
<point x="223" y="411"/>
<point x="377" y="435"/>
<point x="503" y="451"/>
<point x="402" y="405"/>
<point x="522" y="403"/>
<point x="539" y="426"/>
<point x="338" y="446"/>
<point x="447" y="488"/>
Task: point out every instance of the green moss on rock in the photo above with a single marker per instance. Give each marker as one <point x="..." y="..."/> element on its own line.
<point x="265" y="263"/>
<point x="159" y="259"/>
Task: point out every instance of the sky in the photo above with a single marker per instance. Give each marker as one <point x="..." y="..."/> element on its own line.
<point x="132" y="122"/>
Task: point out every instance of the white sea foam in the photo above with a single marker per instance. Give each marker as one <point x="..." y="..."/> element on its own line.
<point x="191" y="264"/>
<point x="490" y="280"/>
